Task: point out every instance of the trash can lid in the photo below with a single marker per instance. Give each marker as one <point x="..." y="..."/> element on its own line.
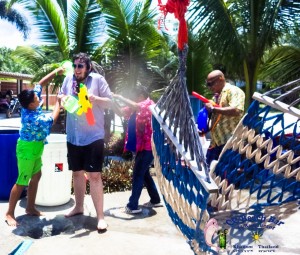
<point x="8" y="131"/>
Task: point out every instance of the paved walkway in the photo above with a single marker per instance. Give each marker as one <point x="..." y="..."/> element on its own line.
<point x="151" y="232"/>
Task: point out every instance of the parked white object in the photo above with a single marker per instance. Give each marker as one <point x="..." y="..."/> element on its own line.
<point x="55" y="184"/>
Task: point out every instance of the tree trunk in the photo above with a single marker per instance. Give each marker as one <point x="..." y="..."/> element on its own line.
<point x="251" y="73"/>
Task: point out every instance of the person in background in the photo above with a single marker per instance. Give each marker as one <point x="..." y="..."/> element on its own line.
<point x="85" y="143"/>
<point x="225" y="118"/>
<point x="138" y="140"/>
<point x="35" y="128"/>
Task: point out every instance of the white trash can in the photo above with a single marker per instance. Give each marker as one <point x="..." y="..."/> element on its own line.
<point x="55" y="184"/>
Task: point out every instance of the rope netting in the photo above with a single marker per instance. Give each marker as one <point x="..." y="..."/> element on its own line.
<point x="175" y="102"/>
<point x="184" y="196"/>
<point x="182" y="172"/>
<point x="263" y="158"/>
<point x="259" y="166"/>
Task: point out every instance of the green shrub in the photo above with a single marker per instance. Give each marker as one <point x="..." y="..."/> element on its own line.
<point x="116" y="176"/>
<point x="115" y="146"/>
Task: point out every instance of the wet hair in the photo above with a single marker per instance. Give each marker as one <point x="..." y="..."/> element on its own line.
<point x="26" y="97"/>
<point x="83" y="57"/>
<point x="96" y="68"/>
<point x="141" y="90"/>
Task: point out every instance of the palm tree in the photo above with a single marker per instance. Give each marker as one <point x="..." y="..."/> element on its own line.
<point x="13" y="16"/>
<point x="40" y="60"/>
<point x="283" y="62"/>
<point x="10" y="64"/>
<point x="240" y="31"/>
<point x="135" y="47"/>
<point x="66" y="27"/>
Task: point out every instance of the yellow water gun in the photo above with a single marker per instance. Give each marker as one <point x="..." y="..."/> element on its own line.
<point x="85" y="105"/>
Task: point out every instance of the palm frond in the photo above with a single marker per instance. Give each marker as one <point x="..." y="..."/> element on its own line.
<point x="85" y="25"/>
<point x="31" y="56"/>
<point x="63" y="4"/>
<point x="48" y="17"/>
<point x="134" y="42"/>
<point x="216" y="19"/>
<point x="41" y="60"/>
<point x="282" y="65"/>
<point x="198" y="64"/>
<point x="115" y="16"/>
<point x="10" y="14"/>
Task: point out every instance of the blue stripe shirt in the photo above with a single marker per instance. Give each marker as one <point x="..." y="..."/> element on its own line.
<point x="79" y="132"/>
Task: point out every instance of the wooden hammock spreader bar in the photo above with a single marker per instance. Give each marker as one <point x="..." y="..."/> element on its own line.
<point x="276" y="104"/>
<point x="209" y="187"/>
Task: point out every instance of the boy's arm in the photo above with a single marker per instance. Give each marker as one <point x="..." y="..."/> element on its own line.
<point x="133" y="105"/>
<point x="117" y="109"/>
<point x="56" y="110"/>
<point x="46" y="79"/>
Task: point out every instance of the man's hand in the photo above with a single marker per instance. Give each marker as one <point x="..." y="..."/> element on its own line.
<point x="209" y="107"/>
<point x="92" y="98"/>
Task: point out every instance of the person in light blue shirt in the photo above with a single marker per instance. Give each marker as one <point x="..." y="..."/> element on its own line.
<point x="85" y="143"/>
<point x="35" y="128"/>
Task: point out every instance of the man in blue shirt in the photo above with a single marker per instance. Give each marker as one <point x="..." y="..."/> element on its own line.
<point x="35" y="128"/>
<point x="85" y="142"/>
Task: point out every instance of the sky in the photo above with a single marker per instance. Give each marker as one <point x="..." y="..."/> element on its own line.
<point x="11" y="37"/>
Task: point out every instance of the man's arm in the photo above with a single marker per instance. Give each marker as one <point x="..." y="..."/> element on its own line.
<point x="117" y="109"/>
<point x="229" y="110"/>
<point x="236" y="104"/>
<point x="104" y="101"/>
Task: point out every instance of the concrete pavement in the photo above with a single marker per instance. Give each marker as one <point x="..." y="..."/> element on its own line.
<point x="11" y="123"/>
<point x="150" y="232"/>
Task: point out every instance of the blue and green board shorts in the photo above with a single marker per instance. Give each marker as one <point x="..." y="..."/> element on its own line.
<point x="29" y="155"/>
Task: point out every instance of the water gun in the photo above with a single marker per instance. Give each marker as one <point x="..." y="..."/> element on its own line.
<point x="70" y="103"/>
<point x="202" y="120"/>
<point x="204" y="99"/>
<point x="85" y="105"/>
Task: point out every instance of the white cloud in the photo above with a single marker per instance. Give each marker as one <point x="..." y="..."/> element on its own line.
<point x="10" y="36"/>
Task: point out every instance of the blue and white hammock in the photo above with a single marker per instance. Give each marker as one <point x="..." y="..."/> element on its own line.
<point x="258" y="167"/>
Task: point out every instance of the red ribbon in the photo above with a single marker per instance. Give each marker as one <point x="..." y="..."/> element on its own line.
<point x="179" y="8"/>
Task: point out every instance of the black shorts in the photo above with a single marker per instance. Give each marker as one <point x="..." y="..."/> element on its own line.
<point x="89" y="157"/>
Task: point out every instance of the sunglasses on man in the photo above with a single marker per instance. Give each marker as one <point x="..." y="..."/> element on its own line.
<point x="79" y="66"/>
<point x="212" y="82"/>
